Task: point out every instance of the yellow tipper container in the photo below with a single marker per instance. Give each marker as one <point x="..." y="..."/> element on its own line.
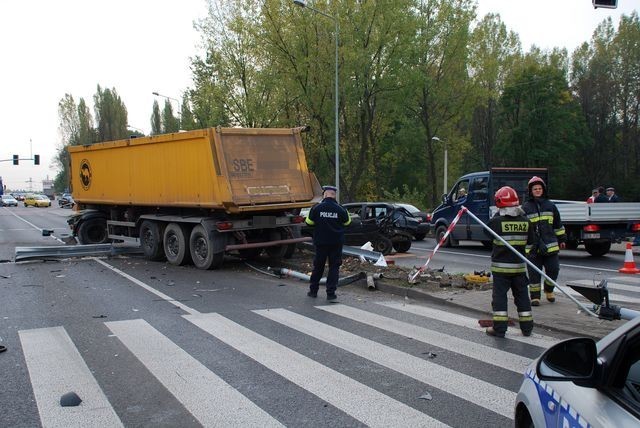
<point x="234" y="169"/>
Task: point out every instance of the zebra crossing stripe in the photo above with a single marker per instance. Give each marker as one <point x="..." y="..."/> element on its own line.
<point x="211" y="400"/>
<point x="359" y="401"/>
<point x="468" y="322"/>
<point x="56" y="368"/>
<point x="484" y="394"/>
<point x="506" y="360"/>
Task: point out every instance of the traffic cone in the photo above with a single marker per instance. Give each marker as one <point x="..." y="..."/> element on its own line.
<point x="629" y="265"/>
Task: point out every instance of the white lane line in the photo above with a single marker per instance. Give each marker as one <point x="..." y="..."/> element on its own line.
<point x="627" y="279"/>
<point x="610" y="285"/>
<point x="500" y="358"/>
<point x="589" y="267"/>
<point x="211" y="400"/>
<point x="34" y="226"/>
<point x="468" y="322"/>
<point x="612" y="296"/>
<point x="149" y="288"/>
<point x="456" y="253"/>
<point x="359" y="401"/>
<point x="481" y="393"/>
<point x="56" y="368"/>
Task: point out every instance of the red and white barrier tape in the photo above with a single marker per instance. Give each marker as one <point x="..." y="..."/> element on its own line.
<point x="442" y="241"/>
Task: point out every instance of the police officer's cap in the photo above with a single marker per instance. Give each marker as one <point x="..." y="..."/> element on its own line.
<point x="334" y="188"/>
<point x="611" y="188"/>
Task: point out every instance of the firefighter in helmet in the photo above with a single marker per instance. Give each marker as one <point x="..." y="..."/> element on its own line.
<point x="550" y="237"/>
<point x="509" y="271"/>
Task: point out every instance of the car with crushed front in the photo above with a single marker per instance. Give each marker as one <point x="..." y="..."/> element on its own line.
<point x="37" y="201"/>
<point x="8" y="201"/>
<point x="387" y="226"/>
<point x="424" y="219"/>
<point x="583" y="383"/>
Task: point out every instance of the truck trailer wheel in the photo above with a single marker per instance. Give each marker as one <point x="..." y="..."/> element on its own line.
<point x="151" y="240"/>
<point x="176" y="244"/>
<point x="597" y="248"/>
<point x="202" y="250"/>
<point x="93" y="231"/>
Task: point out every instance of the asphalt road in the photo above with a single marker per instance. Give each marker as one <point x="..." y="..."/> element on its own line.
<point x="150" y="344"/>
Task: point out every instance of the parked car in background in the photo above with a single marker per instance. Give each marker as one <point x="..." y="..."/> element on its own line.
<point x="37" y="201"/>
<point x="579" y="382"/>
<point x="18" y="195"/>
<point x="8" y="201"/>
<point x="423" y="217"/>
<point x="66" y="201"/>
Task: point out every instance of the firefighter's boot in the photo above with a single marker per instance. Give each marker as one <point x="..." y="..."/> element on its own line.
<point x="550" y="296"/>
<point x="535" y="302"/>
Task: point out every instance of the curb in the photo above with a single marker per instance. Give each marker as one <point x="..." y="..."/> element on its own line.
<point x="421" y="295"/>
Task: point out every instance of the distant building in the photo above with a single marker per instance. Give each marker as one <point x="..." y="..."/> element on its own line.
<point x="47" y="188"/>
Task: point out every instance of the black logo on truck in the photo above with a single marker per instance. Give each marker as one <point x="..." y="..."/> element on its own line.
<point x="242" y="168"/>
<point x="85" y="174"/>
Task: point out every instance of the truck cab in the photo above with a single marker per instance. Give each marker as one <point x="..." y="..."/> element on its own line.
<point x="475" y="192"/>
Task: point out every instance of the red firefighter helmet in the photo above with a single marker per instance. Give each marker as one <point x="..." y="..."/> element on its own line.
<point x="506" y="197"/>
<point x="536" y="180"/>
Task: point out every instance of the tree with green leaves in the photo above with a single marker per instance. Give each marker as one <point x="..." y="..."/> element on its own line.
<point x="75" y="128"/>
<point x="541" y="122"/>
<point x="438" y="65"/>
<point x="492" y="53"/>
<point x="111" y="115"/>
<point x="156" y="120"/>
<point x="170" y="123"/>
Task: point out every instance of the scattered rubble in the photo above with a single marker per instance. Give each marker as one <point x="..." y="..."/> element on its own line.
<point x="430" y="279"/>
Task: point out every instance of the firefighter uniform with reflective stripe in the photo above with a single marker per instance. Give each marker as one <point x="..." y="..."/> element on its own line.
<point x="328" y="219"/>
<point x="510" y="272"/>
<point x="543" y="251"/>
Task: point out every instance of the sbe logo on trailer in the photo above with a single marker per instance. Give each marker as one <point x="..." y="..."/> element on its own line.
<point x="85" y="174"/>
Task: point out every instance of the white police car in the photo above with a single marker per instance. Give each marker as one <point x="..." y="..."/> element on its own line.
<point x="581" y="383"/>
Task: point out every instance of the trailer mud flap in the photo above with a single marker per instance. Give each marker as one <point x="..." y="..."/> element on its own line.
<point x="218" y="240"/>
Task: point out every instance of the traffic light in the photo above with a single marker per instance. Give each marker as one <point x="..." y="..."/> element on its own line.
<point x="15" y="159"/>
<point x="36" y="159"/>
<point x="607" y="4"/>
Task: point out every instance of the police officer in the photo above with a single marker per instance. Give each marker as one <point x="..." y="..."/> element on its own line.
<point x="550" y="237"/>
<point x="509" y="271"/>
<point x="328" y="219"/>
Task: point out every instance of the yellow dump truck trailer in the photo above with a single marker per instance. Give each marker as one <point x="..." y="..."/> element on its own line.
<point x="195" y="195"/>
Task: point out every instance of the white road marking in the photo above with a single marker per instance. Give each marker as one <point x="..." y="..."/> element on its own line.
<point x="211" y="400"/>
<point x="149" y="288"/>
<point x="468" y="322"/>
<point x="56" y="368"/>
<point x="361" y="402"/>
<point x="503" y="359"/>
<point x="34" y="226"/>
<point x="481" y="393"/>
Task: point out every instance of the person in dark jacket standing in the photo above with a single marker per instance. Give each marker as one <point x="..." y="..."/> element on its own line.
<point x="509" y="271"/>
<point x="550" y="237"/>
<point x="611" y="195"/>
<point x="328" y="219"/>
<point x="601" y="196"/>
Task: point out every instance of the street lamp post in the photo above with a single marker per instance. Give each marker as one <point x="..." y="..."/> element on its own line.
<point x="171" y="98"/>
<point x="444" y="187"/>
<point x="303" y="3"/>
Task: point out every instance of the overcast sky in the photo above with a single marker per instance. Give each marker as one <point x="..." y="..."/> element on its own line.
<point x="50" y="48"/>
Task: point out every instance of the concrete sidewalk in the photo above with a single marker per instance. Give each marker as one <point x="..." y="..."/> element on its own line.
<point x="562" y="316"/>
